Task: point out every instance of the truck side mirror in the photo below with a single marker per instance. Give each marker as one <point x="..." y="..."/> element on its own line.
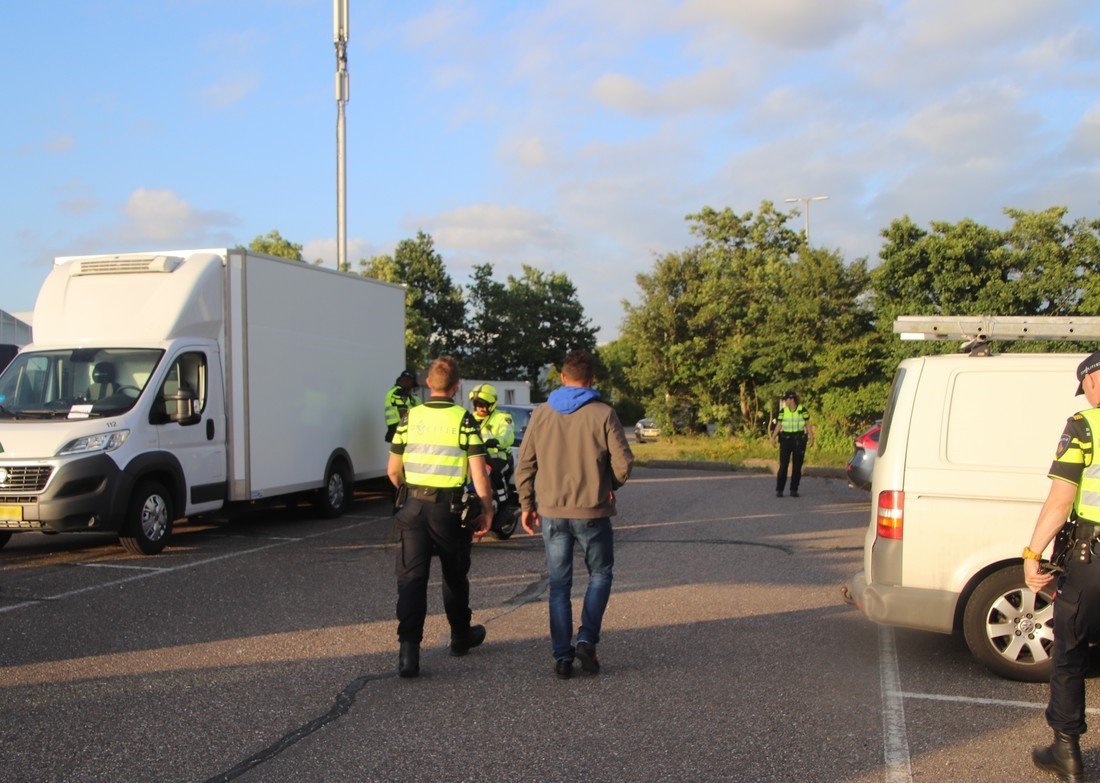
<point x="181" y="407"/>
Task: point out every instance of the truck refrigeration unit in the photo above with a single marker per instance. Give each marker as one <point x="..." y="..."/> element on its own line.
<point x="164" y="385"/>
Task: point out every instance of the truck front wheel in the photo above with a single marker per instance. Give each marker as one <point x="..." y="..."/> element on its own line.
<point x="1009" y="628"/>
<point x="4" y="538"/>
<point x="148" y="522"/>
<point x="334" y="497"/>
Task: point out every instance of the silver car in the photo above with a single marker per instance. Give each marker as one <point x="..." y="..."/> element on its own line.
<point x="646" y="429"/>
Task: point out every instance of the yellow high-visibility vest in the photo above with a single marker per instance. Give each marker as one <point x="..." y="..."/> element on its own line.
<point x="1080" y="449"/>
<point x="793" y="421"/>
<point x="435" y="440"/>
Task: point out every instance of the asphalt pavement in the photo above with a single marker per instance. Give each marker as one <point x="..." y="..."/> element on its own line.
<point x="262" y="647"/>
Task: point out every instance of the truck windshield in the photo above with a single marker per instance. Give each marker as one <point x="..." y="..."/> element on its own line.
<point x="75" y="383"/>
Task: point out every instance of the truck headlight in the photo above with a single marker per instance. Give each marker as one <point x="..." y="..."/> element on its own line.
<point x="105" y="441"/>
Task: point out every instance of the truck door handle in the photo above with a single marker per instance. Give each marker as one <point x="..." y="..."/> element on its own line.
<point x="210" y="429"/>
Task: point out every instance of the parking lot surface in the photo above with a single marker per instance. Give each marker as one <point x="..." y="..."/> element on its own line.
<point x="262" y="647"/>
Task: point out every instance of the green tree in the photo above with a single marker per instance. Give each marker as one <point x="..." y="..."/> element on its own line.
<point x="432" y="293"/>
<point x="434" y="311"/>
<point x="725" y="325"/>
<point x="273" y="244"/>
<point x="519" y="328"/>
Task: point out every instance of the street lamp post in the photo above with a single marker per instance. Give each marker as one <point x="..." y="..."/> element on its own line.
<point x="340" y="38"/>
<point x="806" y="211"/>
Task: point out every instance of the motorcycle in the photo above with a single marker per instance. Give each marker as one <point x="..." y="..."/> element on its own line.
<point x="506" y="510"/>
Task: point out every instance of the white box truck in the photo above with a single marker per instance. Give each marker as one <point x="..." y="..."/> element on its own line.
<point x="960" y="476"/>
<point x="166" y="384"/>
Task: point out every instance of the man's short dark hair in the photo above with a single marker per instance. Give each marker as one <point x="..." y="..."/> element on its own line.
<point x="579" y="366"/>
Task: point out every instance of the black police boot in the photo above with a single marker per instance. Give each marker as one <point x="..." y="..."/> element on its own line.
<point x="1061" y="758"/>
<point x="460" y="645"/>
<point x="408" y="662"/>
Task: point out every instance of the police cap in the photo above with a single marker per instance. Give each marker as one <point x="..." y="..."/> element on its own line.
<point x="1090" y="365"/>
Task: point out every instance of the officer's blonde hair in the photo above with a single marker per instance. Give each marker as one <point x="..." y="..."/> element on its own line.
<point x="443" y="375"/>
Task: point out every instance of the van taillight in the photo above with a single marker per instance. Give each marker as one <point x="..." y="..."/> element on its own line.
<point x="891" y="511"/>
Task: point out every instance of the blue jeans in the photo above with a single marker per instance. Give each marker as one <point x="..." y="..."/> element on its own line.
<point x="595" y="539"/>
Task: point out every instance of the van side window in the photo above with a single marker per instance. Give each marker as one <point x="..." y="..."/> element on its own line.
<point x="187" y="372"/>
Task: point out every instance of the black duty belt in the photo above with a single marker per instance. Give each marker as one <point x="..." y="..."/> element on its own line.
<point x="432" y="494"/>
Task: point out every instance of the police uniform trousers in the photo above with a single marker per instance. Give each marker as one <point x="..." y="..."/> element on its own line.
<point x="1076" y="624"/>
<point x="792" y="449"/>
<point x="425" y="529"/>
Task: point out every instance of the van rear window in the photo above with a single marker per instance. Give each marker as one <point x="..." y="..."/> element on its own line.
<point x="895" y="389"/>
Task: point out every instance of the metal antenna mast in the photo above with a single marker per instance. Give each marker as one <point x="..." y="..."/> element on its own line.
<point x="340" y="37"/>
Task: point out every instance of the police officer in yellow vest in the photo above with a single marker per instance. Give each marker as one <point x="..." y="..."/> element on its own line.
<point x="1074" y="494"/>
<point x="498" y="433"/>
<point x="436" y="447"/>
<point x="399" y="399"/>
<point x="795" y="433"/>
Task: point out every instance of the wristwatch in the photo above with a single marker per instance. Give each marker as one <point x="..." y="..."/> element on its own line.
<point x="1030" y="554"/>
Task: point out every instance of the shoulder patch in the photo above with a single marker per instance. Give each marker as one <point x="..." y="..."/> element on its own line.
<point x="1063" y="445"/>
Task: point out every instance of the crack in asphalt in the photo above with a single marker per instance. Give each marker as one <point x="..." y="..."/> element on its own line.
<point x="345" y="699"/>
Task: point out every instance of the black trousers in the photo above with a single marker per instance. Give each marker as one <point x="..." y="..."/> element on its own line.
<point x="1076" y="624"/>
<point x="792" y="448"/>
<point x="424" y="530"/>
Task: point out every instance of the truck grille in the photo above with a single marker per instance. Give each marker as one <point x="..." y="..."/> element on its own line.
<point x="24" y="478"/>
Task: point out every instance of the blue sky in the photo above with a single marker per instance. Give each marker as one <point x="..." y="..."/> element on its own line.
<point x="573" y="135"/>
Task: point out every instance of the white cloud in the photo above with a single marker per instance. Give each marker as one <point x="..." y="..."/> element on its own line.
<point x="325" y="249"/>
<point x="796" y="24"/>
<point x="1085" y="142"/>
<point x="162" y="216"/>
<point x="228" y="92"/>
<point x="710" y="89"/>
<point x="59" y="144"/>
<point x="494" y="228"/>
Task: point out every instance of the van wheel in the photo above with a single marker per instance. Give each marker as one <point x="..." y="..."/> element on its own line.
<point x="148" y="522"/>
<point x="4" y="538"/>
<point x="334" y="497"/>
<point x="1009" y="628"/>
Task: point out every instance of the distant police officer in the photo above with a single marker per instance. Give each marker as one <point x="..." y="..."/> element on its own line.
<point x="399" y="399"/>
<point x="498" y="433"/>
<point x="795" y="433"/>
<point x="436" y="447"/>
<point x="1074" y="493"/>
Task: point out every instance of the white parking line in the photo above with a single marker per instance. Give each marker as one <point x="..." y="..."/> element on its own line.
<point x="895" y="739"/>
<point x="119" y="565"/>
<point x="181" y="567"/>
<point x="1031" y="705"/>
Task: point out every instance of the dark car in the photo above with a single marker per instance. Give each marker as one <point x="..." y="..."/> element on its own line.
<point x="862" y="463"/>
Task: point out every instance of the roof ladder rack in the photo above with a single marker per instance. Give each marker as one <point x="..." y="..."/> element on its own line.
<point x="977" y="331"/>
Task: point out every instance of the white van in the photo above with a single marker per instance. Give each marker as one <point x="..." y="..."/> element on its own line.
<point x="966" y="443"/>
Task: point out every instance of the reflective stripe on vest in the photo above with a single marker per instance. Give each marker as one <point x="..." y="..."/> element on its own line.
<point x="1087" y="502"/>
<point x="793" y="421"/>
<point x="433" y="455"/>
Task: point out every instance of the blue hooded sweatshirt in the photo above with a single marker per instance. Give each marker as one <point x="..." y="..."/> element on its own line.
<point x="567" y="399"/>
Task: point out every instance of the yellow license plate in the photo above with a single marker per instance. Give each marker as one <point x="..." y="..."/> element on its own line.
<point x="11" y="512"/>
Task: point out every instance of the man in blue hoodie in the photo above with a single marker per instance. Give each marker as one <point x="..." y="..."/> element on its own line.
<point x="573" y="458"/>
